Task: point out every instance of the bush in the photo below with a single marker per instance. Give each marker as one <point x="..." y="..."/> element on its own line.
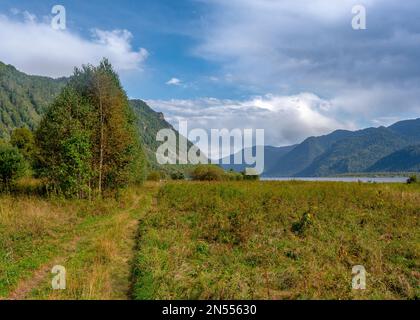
<point x="208" y="173"/>
<point x="412" y="179"/>
<point x="177" y="176"/>
<point x="155" y="176"/>
<point x="12" y="166"/>
<point x="234" y="176"/>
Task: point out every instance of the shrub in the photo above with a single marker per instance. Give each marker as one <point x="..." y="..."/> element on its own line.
<point x="12" y="166"/>
<point x="208" y="173"/>
<point x="412" y="179"/>
<point x="155" y="176"/>
<point x="177" y="176"/>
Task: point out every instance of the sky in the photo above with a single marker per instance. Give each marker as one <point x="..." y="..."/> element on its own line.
<point x="295" y="68"/>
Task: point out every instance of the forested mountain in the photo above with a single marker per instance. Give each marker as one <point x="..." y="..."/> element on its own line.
<point x="407" y="159"/>
<point x="343" y="152"/>
<point x="149" y="123"/>
<point x="304" y="154"/>
<point x="271" y="156"/>
<point x="24" y="99"/>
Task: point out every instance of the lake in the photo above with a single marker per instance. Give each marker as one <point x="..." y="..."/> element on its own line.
<point x="344" y="179"/>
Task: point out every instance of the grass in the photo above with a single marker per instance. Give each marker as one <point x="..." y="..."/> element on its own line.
<point x="279" y="240"/>
<point x="220" y="240"/>
<point x="93" y="240"/>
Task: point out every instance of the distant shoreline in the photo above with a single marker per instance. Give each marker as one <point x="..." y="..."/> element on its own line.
<point x="340" y="179"/>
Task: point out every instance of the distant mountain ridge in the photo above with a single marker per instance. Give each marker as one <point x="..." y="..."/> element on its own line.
<point x="384" y="149"/>
<point x="343" y="152"/>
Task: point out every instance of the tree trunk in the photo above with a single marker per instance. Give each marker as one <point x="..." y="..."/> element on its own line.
<point x="101" y="150"/>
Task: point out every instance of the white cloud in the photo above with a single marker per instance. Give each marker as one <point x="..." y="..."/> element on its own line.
<point x="286" y="119"/>
<point x="290" y="46"/>
<point x="36" y="48"/>
<point x="174" y="82"/>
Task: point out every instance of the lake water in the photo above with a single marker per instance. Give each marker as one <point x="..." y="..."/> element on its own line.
<point x="345" y="179"/>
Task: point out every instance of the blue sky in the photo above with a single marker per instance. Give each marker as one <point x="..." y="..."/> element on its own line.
<point x="295" y="68"/>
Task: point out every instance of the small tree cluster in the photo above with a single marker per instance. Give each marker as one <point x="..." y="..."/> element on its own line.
<point x="87" y="140"/>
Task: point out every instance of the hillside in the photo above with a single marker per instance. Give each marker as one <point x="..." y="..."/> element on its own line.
<point x="24" y="98"/>
<point x="356" y="153"/>
<point x="271" y="156"/>
<point x="407" y="159"/>
<point x="304" y="154"/>
<point x="344" y="152"/>
<point x="149" y="123"/>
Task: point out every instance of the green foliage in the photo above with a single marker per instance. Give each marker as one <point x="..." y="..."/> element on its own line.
<point x="24" y="98"/>
<point x="23" y="139"/>
<point x="234" y="176"/>
<point x="12" y="166"/>
<point x="155" y="176"/>
<point x="178" y="176"/>
<point x="88" y="139"/>
<point x="412" y="179"/>
<point x="208" y="173"/>
<point x="303" y="224"/>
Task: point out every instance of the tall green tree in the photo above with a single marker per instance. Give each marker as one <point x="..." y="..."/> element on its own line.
<point x="92" y="127"/>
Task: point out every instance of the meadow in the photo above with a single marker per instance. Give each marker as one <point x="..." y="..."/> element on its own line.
<point x="280" y="240"/>
<point x="215" y="240"/>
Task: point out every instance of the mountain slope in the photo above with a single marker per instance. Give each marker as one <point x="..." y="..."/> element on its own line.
<point x="271" y="157"/>
<point x="347" y="152"/>
<point x="24" y="98"/>
<point x="356" y="153"/>
<point x="407" y="159"/>
<point x="304" y="154"/>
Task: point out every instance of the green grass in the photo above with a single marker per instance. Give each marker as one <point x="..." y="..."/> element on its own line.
<point x="220" y="240"/>
<point x="93" y="240"/>
<point x="279" y="240"/>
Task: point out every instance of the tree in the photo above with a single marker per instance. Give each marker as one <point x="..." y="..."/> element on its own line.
<point x="23" y="139"/>
<point x="91" y="122"/>
<point x="208" y="173"/>
<point x="12" y="166"/>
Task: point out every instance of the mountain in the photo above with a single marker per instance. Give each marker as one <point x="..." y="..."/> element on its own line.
<point x="356" y="153"/>
<point x="343" y="152"/>
<point x="407" y="160"/>
<point x="24" y="99"/>
<point x="304" y="154"/>
<point x="271" y="156"/>
<point x="149" y="123"/>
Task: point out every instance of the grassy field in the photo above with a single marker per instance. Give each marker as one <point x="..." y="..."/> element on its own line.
<point x="227" y="240"/>
<point x="93" y="240"/>
<point x="280" y="240"/>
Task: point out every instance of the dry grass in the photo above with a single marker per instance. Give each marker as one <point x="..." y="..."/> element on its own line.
<point x="280" y="240"/>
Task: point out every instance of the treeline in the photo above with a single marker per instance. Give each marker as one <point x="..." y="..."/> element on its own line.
<point x="86" y="145"/>
<point x="202" y="173"/>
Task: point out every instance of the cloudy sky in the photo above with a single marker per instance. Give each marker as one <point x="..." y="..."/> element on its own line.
<point x="295" y="68"/>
